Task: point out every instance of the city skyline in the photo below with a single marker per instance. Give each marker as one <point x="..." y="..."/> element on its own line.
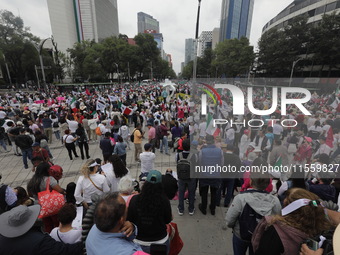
<point x="177" y="23"/>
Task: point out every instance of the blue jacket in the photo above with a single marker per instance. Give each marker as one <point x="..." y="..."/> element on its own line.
<point x="120" y="148"/>
<point x="98" y="243"/>
<point x="210" y="156"/>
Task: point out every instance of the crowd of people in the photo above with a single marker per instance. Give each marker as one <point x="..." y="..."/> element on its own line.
<point x="270" y="212"/>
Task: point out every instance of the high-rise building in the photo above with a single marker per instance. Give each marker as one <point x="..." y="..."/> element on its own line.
<point x="76" y="20"/>
<point x="215" y="37"/>
<point x="205" y="42"/>
<point x="190" y="50"/>
<point x="147" y="22"/>
<point x="236" y="18"/>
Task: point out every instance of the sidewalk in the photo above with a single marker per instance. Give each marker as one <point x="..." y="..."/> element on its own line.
<point x="201" y="234"/>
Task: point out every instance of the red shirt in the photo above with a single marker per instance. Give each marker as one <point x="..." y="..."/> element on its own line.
<point x="40" y="153"/>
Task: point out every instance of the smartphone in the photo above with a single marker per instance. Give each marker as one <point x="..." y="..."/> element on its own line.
<point x="312" y="244"/>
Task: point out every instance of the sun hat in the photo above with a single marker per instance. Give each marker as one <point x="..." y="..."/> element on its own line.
<point x="154" y="177"/>
<point x="18" y="221"/>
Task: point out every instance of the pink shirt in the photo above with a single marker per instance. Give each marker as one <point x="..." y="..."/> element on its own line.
<point x="34" y="127"/>
<point x="152" y="133"/>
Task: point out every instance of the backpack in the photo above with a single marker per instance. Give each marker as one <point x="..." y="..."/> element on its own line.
<point x="56" y="171"/>
<point x="55" y="124"/>
<point x="98" y="131"/>
<point x="183" y="167"/>
<point x="132" y="136"/>
<point x="313" y="134"/>
<point x="248" y="220"/>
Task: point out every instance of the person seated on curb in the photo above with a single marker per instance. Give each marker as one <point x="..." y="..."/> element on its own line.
<point x="8" y="198"/>
<point x="65" y="233"/>
<point x="111" y="231"/>
<point x="20" y="235"/>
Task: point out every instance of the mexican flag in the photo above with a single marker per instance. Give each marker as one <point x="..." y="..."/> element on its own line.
<point x="210" y="129"/>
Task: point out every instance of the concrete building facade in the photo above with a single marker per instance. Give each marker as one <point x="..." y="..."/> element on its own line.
<point x="78" y="20"/>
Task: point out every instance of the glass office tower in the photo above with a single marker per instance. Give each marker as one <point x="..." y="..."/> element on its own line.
<point x="236" y="18"/>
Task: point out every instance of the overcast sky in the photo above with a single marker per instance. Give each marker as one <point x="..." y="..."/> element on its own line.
<point x="177" y="19"/>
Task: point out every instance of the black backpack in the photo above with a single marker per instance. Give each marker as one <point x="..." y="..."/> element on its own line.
<point x="183" y="167"/>
<point x="132" y="137"/>
<point x="248" y="220"/>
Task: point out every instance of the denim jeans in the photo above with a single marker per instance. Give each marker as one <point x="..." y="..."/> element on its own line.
<point x="229" y="185"/>
<point x="3" y="144"/>
<point x="240" y="247"/>
<point x="181" y="190"/>
<point x="57" y="134"/>
<point x="26" y="153"/>
<point x="164" y="142"/>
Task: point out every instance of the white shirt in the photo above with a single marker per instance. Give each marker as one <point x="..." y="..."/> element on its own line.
<point x="85" y="189"/>
<point x="68" y="139"/>
<point x="277" y="129"/>
<point x="2" y="114"/>
<point x="147" y="161"/>
<point x="202" y="129"/>
<point x="73" y="125"/>
<point x="70" y="237"/>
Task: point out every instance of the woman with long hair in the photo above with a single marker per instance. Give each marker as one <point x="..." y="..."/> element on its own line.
<point x="37" y="184"/>
<point x="82" y="141"/>
<point x="303" y="217"/>
<point x="150" y="211"/>
<point x="89" y="183"/>
<point x="114" y="170"/>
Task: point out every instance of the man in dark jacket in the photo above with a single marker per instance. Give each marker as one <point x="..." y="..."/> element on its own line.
<point x="106" y="146"/>
<point x="164" y="137"/>
<point x="24" y="142"/>
<point x="230" y="159"/>
<point x="19" y="236"/>
<point x="210" y="156"/>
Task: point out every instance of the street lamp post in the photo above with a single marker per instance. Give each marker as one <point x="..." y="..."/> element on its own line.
<point x="194" y="72"/>
<point x="117" y="72"/>
<point x="151" y="70"/>
<point x="292" y="71"/>
<point x="39" y="48"/>
<point x="7" y="69"/>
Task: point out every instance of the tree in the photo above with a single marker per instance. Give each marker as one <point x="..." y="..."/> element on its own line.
<point x="16" y="45"/>
<point x="233" y="57"/>
<point x="325" y="43"/>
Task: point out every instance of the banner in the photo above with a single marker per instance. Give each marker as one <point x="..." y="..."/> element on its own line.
<point x="100" y="106"/>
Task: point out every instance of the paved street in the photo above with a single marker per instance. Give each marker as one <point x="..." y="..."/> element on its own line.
<point x="201" y="234"/>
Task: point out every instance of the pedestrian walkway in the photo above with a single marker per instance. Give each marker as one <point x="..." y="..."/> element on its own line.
<point x="202" y="235"/>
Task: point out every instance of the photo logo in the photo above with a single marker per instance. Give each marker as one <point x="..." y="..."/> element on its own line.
<point x="238" y="100"/>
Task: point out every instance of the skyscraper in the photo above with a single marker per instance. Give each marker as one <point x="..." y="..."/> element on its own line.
<point x="236" y="18"/>
<point x="205" y="42"/>
<point x="147" y="22"/>
<point x="76" y="20"/>
<point x="190" y="50"/>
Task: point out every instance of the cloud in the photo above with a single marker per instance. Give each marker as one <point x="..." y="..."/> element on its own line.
<point x="177" y="19"/>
